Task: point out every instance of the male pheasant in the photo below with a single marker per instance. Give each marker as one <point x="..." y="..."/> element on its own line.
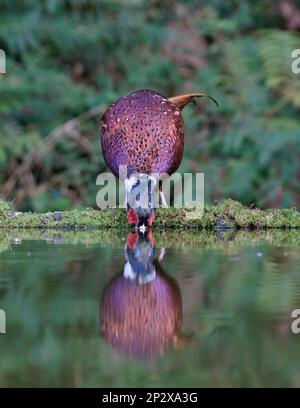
<point x="141" y="310"/>
<point x="145" y="132"/>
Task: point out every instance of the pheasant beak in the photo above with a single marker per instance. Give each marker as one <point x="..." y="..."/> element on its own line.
<point x="142" y="228"/>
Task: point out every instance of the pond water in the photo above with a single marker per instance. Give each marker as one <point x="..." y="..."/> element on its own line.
<point x="112" y="309"/>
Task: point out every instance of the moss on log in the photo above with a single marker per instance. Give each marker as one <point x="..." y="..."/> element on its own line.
<point x="226" y="215"/>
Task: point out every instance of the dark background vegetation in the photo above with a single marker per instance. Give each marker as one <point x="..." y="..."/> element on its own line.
<point x="68" y="59"/>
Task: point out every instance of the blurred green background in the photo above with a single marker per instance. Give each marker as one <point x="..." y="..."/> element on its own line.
<point x="68" y="59"/>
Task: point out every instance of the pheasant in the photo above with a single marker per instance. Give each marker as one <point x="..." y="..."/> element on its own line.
<point x="139" y="316"/>
<point x="145" y="132"/>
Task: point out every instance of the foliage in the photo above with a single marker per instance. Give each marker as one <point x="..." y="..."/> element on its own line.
<point x="66" y="57"/>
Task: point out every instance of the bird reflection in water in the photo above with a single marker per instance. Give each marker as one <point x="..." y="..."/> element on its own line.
<point x="141" y="309"/>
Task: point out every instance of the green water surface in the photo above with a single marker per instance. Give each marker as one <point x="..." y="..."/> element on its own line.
<point x="233" y="292"/>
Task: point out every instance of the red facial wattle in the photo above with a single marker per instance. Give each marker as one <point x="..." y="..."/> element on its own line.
<point x="151" y="239"/>
<point x="132" y="240"/>
<point x="132" y="217"/>
<point x="152" y="216"/>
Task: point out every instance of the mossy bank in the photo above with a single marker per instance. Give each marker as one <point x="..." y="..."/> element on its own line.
<point x="227" y="214"/>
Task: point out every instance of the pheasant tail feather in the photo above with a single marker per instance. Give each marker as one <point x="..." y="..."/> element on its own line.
<point x="182" y="100"/>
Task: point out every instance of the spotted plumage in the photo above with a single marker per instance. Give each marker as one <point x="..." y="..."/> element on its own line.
<point x="143" y="131"/>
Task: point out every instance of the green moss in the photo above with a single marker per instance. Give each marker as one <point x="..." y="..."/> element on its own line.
<point x="4" y="207"/>
<point x="226" y="215"/>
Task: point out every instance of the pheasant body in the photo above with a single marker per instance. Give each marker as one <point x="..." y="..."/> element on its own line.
<point x="143" y="131"/>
